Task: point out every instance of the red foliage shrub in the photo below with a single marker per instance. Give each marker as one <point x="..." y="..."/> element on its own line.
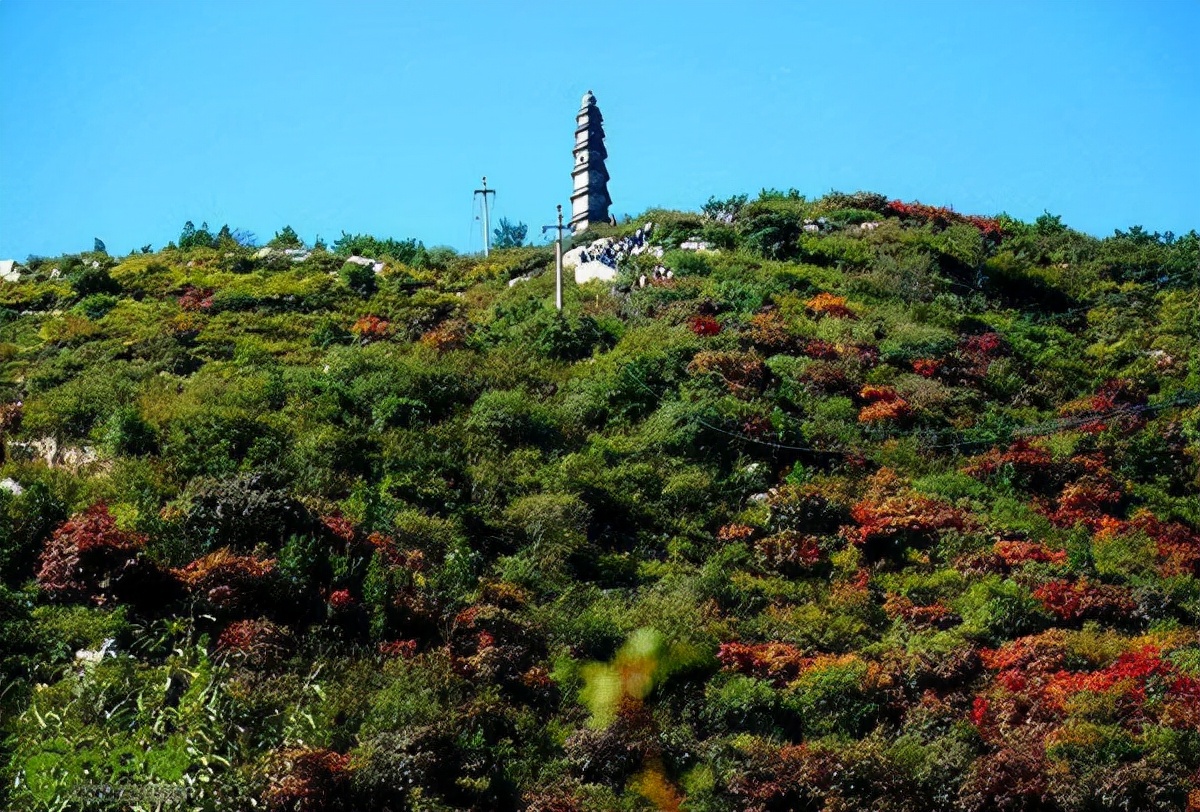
<point x="1015" y="553"/>
<point x="1177" y="546"/>
<point x="341" y="599"/>
<point x="878" y="394"/>
<point x="405" y="649"/>
<point x="937" y="613"/>
<point x="828" y="377"/>
<point x="780" y="663"/>
<point x="1007" y="781"/>
<point x="1036" y="654"/>
<point x="926" y="367"/>
<point x="1027" y="466"/>
<point x="1085" y="600"/>
<point x="1117" y="403"/>
<point x="942" y="217"/>
<point x="704" y="325"/>
<point x="371" y="328"/>
<point x="195" y="299"/>
<point x="411" y="560"/>
<point x="757" y="426"/>
<point x="819" y="348"/>
<point x="787" y="777"/>
<point x="307" y="780"/>
<point x="488" y="642"/>
<point x="1088" y="501"/>
<point x="87" y="556"/>
<point x="341" y="528"/>
<point x="1130" y="674"/>
<point x="972" y="358"/>
<point x="790" y="551"/>
<point x="255" y="643"/>
<point x="893" y="515"/>
<point x="826" y="304"/>
<point x="229" y="582"/>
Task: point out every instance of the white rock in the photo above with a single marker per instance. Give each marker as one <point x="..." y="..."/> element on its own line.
<point x="96" y="655"/>
<point x="573" y="257"/>
<point x="7" y="272"/>
<point x="695" y="245"/>
<point x="587" y="271"/>
<point x="12" y="486"/>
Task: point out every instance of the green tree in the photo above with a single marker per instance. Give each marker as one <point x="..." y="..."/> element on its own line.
<point x="287" y="238"/>
<point x="509" y="235"/>
<point x="192" y="237"/>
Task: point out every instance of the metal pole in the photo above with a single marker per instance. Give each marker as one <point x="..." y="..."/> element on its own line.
<point x="558" y="268"/>
<point x="485" y="191"/>
<point x="558" y="262"/>
<point x="487" y="242"/>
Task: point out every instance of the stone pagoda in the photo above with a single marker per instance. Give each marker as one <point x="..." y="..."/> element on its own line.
<point x="590" y="200"/>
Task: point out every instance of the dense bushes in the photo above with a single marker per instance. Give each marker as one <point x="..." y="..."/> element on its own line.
<point x="871" y="505"/>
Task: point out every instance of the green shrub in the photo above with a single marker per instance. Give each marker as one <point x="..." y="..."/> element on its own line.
<point x="97" y="305"/>
<point x="87" y="281"/>
<point x="359" y="278"/>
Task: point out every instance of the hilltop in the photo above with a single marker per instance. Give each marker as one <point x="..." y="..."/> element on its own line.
<point x="870" y="505"/>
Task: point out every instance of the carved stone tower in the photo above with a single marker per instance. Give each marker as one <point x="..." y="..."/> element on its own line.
<point x="590" y="200"/>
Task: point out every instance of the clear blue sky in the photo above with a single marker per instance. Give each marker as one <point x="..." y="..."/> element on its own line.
<point x="123" y="119"/>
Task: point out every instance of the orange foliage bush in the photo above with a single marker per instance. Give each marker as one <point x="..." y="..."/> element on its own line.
<point x="228" y="581"/>
<point x="826" y="304"/>
<point x="1015" y="553"/>
<point x="371" y="328"/>
<point x="884" y="403"/>
<point x="769" y="331"/>
<point x="449" y="335"/>
<point x="895" y="515"/>
<point x="743" y="372"/>
<point x="780" y="663"/>
<point x="735" y="532"/>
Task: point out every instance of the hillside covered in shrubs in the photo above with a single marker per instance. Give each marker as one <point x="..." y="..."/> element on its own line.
<point x="870" y="505"/>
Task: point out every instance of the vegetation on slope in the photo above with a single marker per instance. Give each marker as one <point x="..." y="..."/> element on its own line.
<point x="876" y="506"/>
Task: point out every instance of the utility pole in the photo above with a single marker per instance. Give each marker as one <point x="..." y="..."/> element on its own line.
<point x="557" y="258"/>
<point x="485" y="191"/>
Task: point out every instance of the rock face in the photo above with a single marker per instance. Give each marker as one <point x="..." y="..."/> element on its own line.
<point x="590" y="200"/>
<point x="8" y="272"/>
<point x="587" y="271"/>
